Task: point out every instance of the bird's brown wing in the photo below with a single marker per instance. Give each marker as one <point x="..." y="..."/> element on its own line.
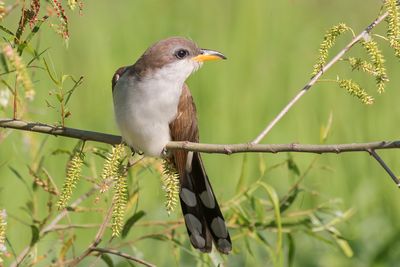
<point x="184" y="127"/>
<point x="203" y="218"/>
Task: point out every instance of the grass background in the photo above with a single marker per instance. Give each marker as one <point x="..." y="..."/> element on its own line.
<point x="271" y="47"/>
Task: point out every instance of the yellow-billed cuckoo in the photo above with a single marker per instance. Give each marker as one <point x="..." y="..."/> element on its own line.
<point x="153" y="106"/>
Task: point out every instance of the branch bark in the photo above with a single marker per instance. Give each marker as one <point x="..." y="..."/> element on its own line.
<point x="198" y="147"/>
<point x="60" y="131"/>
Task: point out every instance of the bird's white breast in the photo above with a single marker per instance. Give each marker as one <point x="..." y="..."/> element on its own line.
<point x="145" y="107"/>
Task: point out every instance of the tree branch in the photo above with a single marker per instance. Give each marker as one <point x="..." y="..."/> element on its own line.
<point x="206" y="148"/>
<point x="279" y="148"/>
<point x="60" y="131"/>
<point x="384" y="166"/>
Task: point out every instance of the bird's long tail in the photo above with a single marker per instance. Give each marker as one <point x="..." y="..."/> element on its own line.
<point x="203" y="218"/>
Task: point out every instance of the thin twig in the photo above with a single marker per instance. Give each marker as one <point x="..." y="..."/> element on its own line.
<point x="96" y="241"/>
<point x="63" y="227"/>
<point x="317" y="76"/>
<point x="121" y="254"/>
<point x="15" y="98"/>
<point x="53" y="223"/>
<point x="50" y="226"/>
<point x="384" y="166"/>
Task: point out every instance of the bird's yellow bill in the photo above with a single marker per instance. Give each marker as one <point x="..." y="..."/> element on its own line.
<point x="202" y="58"/>
<point x="208" y="55"/>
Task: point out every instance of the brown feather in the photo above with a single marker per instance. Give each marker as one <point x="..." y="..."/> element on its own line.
<point x="202" y="207"/>
<point x="184" y="127"/>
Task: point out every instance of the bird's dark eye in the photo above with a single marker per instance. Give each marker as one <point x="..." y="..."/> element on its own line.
<point x="181" y="53"/>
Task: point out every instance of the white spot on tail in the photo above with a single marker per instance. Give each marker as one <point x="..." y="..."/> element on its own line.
<point x="197" y="240"/>
<point x="193" y="224"/>
<point x="188" y="197"/>
<point x="207" y="197"/>
<point x="219" y="228"/>
<point x="224" y="246"/>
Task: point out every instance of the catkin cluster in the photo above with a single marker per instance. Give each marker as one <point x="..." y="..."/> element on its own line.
<point x="73" y="175"/>
<point x="393" y="32"/>
<point x="113" y="170"/>
<point x="20" y="69"/>
<point x="329" y="40"/>
<point x="170" y="181"/>
<point x="3" y="225"/>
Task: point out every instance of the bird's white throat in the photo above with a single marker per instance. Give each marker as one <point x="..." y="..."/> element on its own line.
<point x="145" y="107"/>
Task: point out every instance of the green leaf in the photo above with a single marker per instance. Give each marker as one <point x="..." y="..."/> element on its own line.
<point x="37" y="56"/>
<point x="66" y="246"/>
<point x="35" y="235"/>
<point x="107" y="259"/>
<point x="61" y="151"/>
<point x="175" y="241"/>
<point x="243" y="173"/>
<point x="3" y="62"/>
<point x="269" y="249"/>
<point x="76" y="85"/>
<point x="159" y="237"/>
<point x="50" y="74"/>
<point x="320" y="237"/>
<point x="258" y="208"/>
<point x="19" y="176"/>
<point x="65" y="77"/>
<point x="131" y="221"/>
<point x="386" y="249"/>
<point x="241" y="213"/>
<point x="273" y="197"/>
<point x="248" y="247"/>
<point x="292" y="166"/>
<point x="324" y="133"/>
<point x="60" y="97"/>
<point x="344" y="246"/>
<point x="289" y="199"/>
<point x="262" y="167"/>
<point x="49" y="105"/>
<point x="29" y="206"/>
<point x="291" y="250"/>
<point x="4" y="29"/>
<point x="263" y="239"/>
<point x="35" y="29"/>
<point x="100" y="153"/>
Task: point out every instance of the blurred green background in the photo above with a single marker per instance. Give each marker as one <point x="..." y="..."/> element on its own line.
<point x="271" y="47"/>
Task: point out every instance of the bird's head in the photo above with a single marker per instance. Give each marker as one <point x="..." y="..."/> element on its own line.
<point x="177" y="57"/>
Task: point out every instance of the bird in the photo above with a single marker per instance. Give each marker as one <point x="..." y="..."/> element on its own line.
<point x="153" y="106"/>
